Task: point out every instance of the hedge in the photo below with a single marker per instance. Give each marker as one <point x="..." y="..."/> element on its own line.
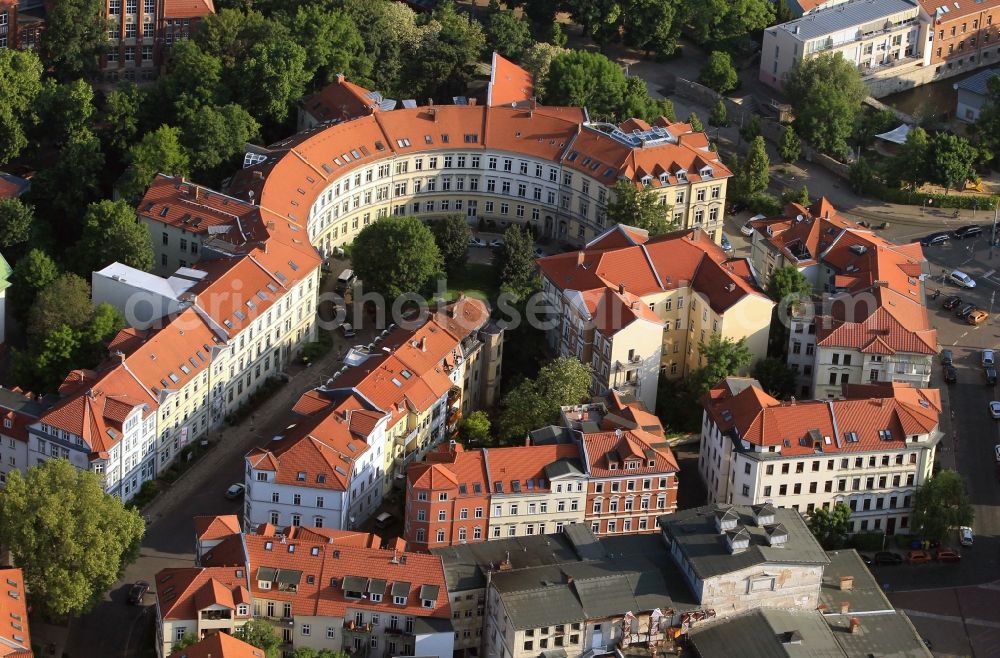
<point x="911" y="198"/>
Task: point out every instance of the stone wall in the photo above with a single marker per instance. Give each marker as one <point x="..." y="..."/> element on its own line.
<point x="795" y="588"/>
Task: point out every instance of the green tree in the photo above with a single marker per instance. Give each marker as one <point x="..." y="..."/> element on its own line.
<point x="20" y="84"/>
<point x="718" y="117"/>
<point x="32" y="273"/>
<point x="260" y="634"/>
<point x="789" y="147"/>
<point x="306" y="652"/>
<point x="941" y="504"/>
<point x="751" y="130"/>
<point x="122" y="108"/>
<point x="675" y="404"/>
<point x="70" y="538"/>
<point x="787" y="282"/>
<point x="516" y="262"/>
<point x="75" y="34"/>
<point x="475" y="427"/>
<point x="755" y="174"/>
<point x="951" y="161"/>
<point x="448" y="51"/>
<point x="582" y="78"/>
<point x="508" y="34"/>
<point x="452" y="234"/>
<point x="213" y="136"/>
<point x="641" y="208"/>
<point x="826" y="94"/>
<point x="271" y="78"/>
<point x="600" y="20"/>
<point x="51" y="359"/>
<point x="231" y="34"/>
<point x="194" y="79"/>
<point x="717" y="20"/>
<point x="187" y="640"/>
<point x="70" y="183"/>
<point x="536" y="60"/>
<point x="112" y="234"/>
<point x="792" y="195"/>
<point x="695" y="122"/>
<point x="105" y="322"/>
<point x="871" y="123"/>
<point x="831" y="527"/>
<point x="987" y="126"/>
<point x="651" y="25"/>
<point x="65" y="109"/>
<point x="16" y="221"/>
<point x="396" y="255"/>
<point x="65" y="301"/>
<point x="776" y="377"/>
<point x="637" y="103"/>
<point x="536" y="402"/>
<point x="910" y="164"/>
<point x="332" y="44"/>
<point x="391" y="36"/>
<point x="861" y="176"/>
<point x="159" y="151"/>
<point x="719" y="73"/>
<point x="722" y="357"/>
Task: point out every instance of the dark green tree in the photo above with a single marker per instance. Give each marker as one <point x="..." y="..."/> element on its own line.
<point x="792" y="195"/>
<point x="213" y="136"/>
<point x="70" y="538"/>
<point x="32" y="273"/>
<point x="583" y="78"/>
<point x="111" y="233"/>
<point x="65" y="301"/>
<point x="71" y="183"/>
<point x="16" y="221"/>
<point x="271" y="78"/>
<point x="719" y="73"/>
<point x="186" y="640"/>
<point x="861" y="176"/>
<point x="787" y="282"/>
<point x="637" y="103"/>
<point x="676" y="404"/>
<point x="940" y="505"/>
<point x="536" y="402"/>
<point x="65" y="109"/>
<point x="831" y="527"/>
<point x="475" y="428"/>
<point x="789" y="148"/>
<point x="122" y="111"/>
<point x="508" y="34"/>
<point x="516" y="262"/>
<point x="601" y="20"/>
<point x="231" y="34"/>
<point x="262" y="635"/>
<point x="449" y="49"/>
<point x="641" y="208"/>
<point x="452" y="234"/>
<point x="910" y="164"/>
<point x="536" y="60"/>
<point x="719" y="117"/>
<point x="396" y="255"/>
<point x="159" y="151"/>
<point x="826" y="94"/>
<point x="651" y="26"/>
<point x="987" y="126"/>
<point x="776" y="377"/>
<point x="751" y="129"/>
<point x="75" y="34"/>
<point x="717" y="20"/>
<point x="755" y="174"/>
<point x="720" y="357"/>
<point x="391" y="39"/>
<point x="194" y="79"/>
<point x="951" y="161"/>
<point x="332" y="44"/>
<point x="695" y="122"/>
<point x="20" y="85"/>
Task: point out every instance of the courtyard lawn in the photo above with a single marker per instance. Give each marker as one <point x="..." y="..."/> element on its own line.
<point x="477" y="280"/>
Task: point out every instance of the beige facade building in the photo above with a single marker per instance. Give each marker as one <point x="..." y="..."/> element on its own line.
<point x="870" y="451"/>
<point x="631" y="305"/>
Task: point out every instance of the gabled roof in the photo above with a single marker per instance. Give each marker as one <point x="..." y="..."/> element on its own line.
<point x="219" y="645"/>
<point x="451" y="468"/>
<point x="341" y="100"/>
<point x="183" y="591"/>
<point x="509" y="83"/>
<point x="209" y="528"/>
<point x="187" y="8"/>
<point x="15" y="637"/>
<point x="12" y="186"/>
<point x="620" y="447"/>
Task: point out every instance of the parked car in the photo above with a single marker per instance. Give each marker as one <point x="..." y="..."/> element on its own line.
<point x="918" y="557"/>
<point x="946" y="357"/>
<point x="946" y="555"/>
<point x="235" y="491"/>
<point x="539" y="253"/>
<point x="495" y="243"/>
<point x="970" y="231"/>
<point x="987" y="357"/>
<point x="727" y="246"/>
<point x="977" y="317"/>
<point x="963" y="311"/>
<point x="950" y="374"/>
<point x="867" y="559"/>
<point x="477" y="242"/>
<point x="935" y="239"/>
<point x="965" y="536"/>
<point x="348" y="330"/>
<point x="747" y="229"/>
<point x="991" y="376"/>
<point x="888" y="557"/>
<point x="137" y="592"/>
<point x="960" y="278"/>
<point x="950" y="302"/>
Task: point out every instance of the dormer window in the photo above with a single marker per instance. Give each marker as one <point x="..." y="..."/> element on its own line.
<point x="681" y="175"/>
<point x="243" y="610"/>
<point x="399" y="600"/>
<point x="613" y="466"/>
<point x="706" y="172"/>
<point x="427" y="603"/>
<point x="663" y="178"/>
<point x="264" y="584"/>
<point x="647" y="180"/>
<point x="301" y="476"/>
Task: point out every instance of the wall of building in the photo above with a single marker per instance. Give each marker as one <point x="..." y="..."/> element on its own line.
<point x="511" y="514"/>
<point x="794" y="587"/>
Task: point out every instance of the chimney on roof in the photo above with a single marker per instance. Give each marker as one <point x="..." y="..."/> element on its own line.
<point x="791" y="401"/>
<point x="340" y="78"/>
<point x="844" y="607"/>
<point x="579" y="128"/>
<point x="197" y="191"/>
<point x="621" y="288"/>
<point x="533" y="103"/>
<point x="423" y="343"/>
<point x="258" y="174"/>
<point x="855" y="625"/>
<point x="846" y="583"/>
<point x="472" y="101"/>
<point x="579" y="258"/>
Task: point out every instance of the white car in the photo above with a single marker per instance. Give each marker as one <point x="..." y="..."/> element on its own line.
<point x="747" y="229"/>
<point x="965" y="535"/>
<point x="995" y="409"/>
<point x="477" y="242"/>
<point x="960" y="278"/>
<point x="496" y="243"/>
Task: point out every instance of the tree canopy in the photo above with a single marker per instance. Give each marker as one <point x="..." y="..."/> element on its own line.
<point x="452" y="234"/>
<point x="16" y="221"/>
<point x="262" y="635"/>
<point x="516" y="261"/>
<point x="450" y="45"/>
<point x="70" y="538"/>
<point x="826" y="94"/>
<point x="721" y="357"/>
<point x="640" y="208"/>
<point x="940" y="505"/>
<point x="75" y="34"/>
<point x="508" y="34"/>
<point x="718" y="20"/>
<point x="475" y="427"/>
<point x="951" y="160"/>
<point x="583" y="78"/>
<point x="789" y="148"/>
<point x="159" y="151"/>
<point x="396" y="255"/>
<point x="65" y="301"/>
<point x="719" y="73"/>
<point x="831" y="527"/>
<point x="20" y="84"/>
<point x="536" y="402"/>
<point x="754" y="175"/>
<point x="111" y="233"/>
<point x="785" y="281"/>
<point x="776" y="377"/>
<point x="32" y="273"/>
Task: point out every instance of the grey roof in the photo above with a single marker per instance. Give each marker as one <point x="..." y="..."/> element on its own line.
<point x="562" y="467"/>
<point x="550" y="435"/>
<point x="400" y="588"/>
<point x="766" y="633"/>
<point x="865" y="594"/>
<point x="584" y="541"/>
<point x="429" y="592"/>
<point x="706" y="551"/>
<point x="22" y="404"/>
<point x="844" y="16"/>
<point x="977" y="84"/>
<point x="428" y="625"/>
<point x="356" y="584"/>
<point x="465" y="566"/>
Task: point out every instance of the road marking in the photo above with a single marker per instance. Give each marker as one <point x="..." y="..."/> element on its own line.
<point x="989" y="274"/>
<point x="963" y="335"/>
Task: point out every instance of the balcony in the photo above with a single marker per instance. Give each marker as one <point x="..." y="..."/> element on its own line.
<point x="633" y="363"/>
<point x="216" y="615"/>
<point x="352" y="626"/>
<point x="911" y="369"/>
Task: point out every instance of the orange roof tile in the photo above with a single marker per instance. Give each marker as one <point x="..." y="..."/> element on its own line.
<point x="605" y="448"/>
<point x="187" y="8"/>
<point x="179" y="589"/>
<point x="219" y="645"/>
<point x="526" y="466"/>
<point x="957" y="8"/>
<point x="509" y="83"/>
<point x="15" y="637"/>
<point x="209" y="528"/>
<point x="340" y="100"/>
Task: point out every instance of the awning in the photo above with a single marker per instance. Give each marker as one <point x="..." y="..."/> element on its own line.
<point x="896" y="135"/>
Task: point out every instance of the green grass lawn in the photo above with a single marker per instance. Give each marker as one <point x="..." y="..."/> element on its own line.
<point x="477" y="280"/>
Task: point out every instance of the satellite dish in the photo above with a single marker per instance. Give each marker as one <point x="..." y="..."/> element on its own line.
<point x="799" y="218"/>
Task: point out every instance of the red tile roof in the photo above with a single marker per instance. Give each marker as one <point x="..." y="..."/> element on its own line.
<point x="15" y="637"/>
<point x="341" y="100"/>
<point x="187" y="8"/>
<point x="12" y="186"/>
<point x="602" y="449"/>
<point x="209" y="528"/>
<point x="822" y="426"/>
<point x="509" y="83"/>
<point x="957" y="8"/>
<point x="449" y="467"/>
<point x="219" y="645"/>
<point x="526" y="464"/>
<point x="183" y="591"/>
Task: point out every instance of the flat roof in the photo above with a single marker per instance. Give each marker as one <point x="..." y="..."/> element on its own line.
<point x="843" y="16"/>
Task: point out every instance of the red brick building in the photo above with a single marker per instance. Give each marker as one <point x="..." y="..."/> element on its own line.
<point x="962" y="34"/>
<point x="447" y="499"/>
